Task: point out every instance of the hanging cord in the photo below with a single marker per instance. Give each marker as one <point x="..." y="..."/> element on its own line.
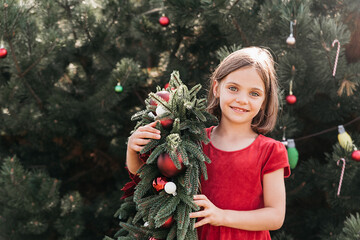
<point x="326" y="130"/>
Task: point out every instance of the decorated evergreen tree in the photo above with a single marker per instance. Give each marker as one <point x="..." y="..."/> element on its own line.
<point x="163" y="197"/>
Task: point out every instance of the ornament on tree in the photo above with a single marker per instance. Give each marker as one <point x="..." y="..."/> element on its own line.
<point x="342" y="174"/>
<point x="164" y="21"/>
<point x="291" y="40"/>
<point x="118" y="88"/>
<point x="344" y="139"/>
<point x="291" y="99"/>
<point x="163" y="94"/>
<point x="167" y="166"/>
<point x="337" y="55"/>
<point x="293" y="154"/>
<point x="168" y="222"/>
<point x="166" y="122"/>
<point x="159" y="183"/>
<point x="170" y="188"/>
<point x="356" y="155"/>
<point x="3" y="52"/>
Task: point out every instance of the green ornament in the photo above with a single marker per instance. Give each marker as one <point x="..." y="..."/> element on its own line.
<point x="293" y="154"/>
<point x="118" y="88"/>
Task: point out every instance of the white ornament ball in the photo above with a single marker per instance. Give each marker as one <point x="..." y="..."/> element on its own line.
<point x="290" y="40"/>
<point x="170" y="188"/>
<point x="160" y="110"/>
<point x="146" y="224"/>
<point x="150" y="114"/>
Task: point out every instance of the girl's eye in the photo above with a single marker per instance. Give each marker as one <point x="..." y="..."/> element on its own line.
<point x="233" y="88"/>
<point x="254" y="94"/>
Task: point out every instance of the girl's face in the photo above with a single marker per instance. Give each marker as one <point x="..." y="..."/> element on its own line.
<point x="242" y="95"/>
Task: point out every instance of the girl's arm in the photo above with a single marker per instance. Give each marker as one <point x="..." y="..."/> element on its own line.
<point x="136" y="143"/>
<point x="271" y="217"/>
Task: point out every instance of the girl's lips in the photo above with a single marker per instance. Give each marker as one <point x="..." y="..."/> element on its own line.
<point x="240" y="109"/>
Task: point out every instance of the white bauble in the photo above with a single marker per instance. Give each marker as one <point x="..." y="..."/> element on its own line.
<point x="290" y="40"/>
<point x="170" y="188"/>
<point x="160" y="110"/>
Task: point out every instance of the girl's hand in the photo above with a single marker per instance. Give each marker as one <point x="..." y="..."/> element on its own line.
<point x="210" y="213"/>
<point x="143" y="136"/>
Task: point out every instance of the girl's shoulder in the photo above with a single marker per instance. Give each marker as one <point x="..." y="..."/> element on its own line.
<point x="270" y="143"/>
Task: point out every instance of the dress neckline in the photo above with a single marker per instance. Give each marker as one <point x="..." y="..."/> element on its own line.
<point x="233" y="151"/>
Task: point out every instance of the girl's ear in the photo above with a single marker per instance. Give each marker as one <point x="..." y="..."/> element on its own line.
<point x="216" y="89"/>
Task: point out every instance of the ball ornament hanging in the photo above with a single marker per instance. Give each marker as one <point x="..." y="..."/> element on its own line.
<point x="119" y="88"/>
<point x="159" y="183"/>
<point x="168" y="222"/>
<point x="170" y="188"/>
<point x="291" y="99"/>
<point x="163" y="94"/>
<point x="291" y="40"/>
<point x="3" y="52"/>
<point x="167" y="166"/>
<point x="356" y="155"/>
<point x="164" y="21"/>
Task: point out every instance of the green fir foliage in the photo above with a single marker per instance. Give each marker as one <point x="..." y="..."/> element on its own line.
<point x="182" y="141"/>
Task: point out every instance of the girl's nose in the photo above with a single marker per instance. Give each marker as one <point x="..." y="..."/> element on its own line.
<point x="242" y="98"/>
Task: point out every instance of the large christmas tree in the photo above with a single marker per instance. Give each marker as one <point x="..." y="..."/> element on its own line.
<point x="72" y="73"/>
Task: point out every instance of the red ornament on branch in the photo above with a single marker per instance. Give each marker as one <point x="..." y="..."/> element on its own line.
<point x="163" y="94"/>
<point x="291" y="99"/>
<point x="3" y="52"/>
<point x="167" y="166"/>
<point x="356" y="155"/>
<point x="168" y="222"/>
<point x="159" y="183"/>
<point x="164" y="21"/>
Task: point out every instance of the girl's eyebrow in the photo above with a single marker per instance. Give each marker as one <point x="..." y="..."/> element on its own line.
<point x="254" y="88"/>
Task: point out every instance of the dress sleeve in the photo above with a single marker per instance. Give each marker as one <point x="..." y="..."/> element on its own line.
<point x="276" y="158"/>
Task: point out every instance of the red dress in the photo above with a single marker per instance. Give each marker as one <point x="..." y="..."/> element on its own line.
<point x="235" y="182"/>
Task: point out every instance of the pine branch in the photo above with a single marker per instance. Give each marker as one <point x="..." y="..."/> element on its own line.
<point x="155" y="153"/>
<point x="153" y="143"/>
<point x="168" y="208"/>
<point x="137" y="116"/>
<point x="172" y="233"/>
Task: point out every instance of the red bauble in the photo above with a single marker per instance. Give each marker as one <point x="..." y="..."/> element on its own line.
<point x="167" y="123"/>
<point x="163" y="94"/>
<point x="167" y="166"/>
<point x="356" y="155"/>
<point x="291" y="99"/>
<point x="164" y="21"/>
<point x="159" y="183"/>
<point x="3" y="52"/>
<point x="168" y="222"/>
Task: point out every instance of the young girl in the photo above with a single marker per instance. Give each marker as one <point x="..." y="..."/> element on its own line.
<point x="244" y="196"/>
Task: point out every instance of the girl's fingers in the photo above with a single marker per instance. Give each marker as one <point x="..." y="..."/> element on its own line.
<point x="202" y="203"/>
<point x="200" y="196"/>
<point x="198" y="214"/>
<point x="149" y="135"/>
<point x="142" y="142"/>
<point x="201" y="222"/>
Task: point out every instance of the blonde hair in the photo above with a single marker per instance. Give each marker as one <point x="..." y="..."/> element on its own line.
<point x="263" y="62"/>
